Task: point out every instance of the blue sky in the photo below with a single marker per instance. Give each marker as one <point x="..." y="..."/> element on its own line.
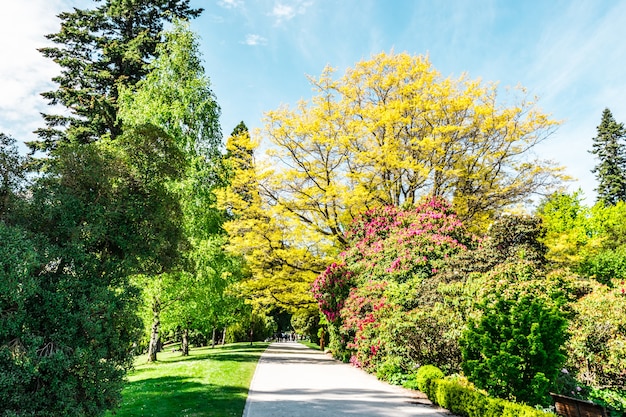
<point x="571" y="54"/>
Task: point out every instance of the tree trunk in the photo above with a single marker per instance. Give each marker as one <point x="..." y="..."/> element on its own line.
<point x="184" y="347"/>
<point x="224" y="336"/>
<point x="153" y="348"/>
<point x="213" y="338"/>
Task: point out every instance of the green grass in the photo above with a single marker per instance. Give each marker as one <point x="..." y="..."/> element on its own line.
<point x="208" y="382"/>
<point x="309" y="344"/>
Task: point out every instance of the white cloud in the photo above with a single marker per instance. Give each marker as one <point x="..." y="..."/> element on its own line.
<point x="23" y="70"/>
<point x="254" y="40"/>
<point x="231" y="4"/>
<point x="284" y="11"/>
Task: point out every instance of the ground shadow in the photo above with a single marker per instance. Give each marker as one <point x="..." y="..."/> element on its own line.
<point x="236" y="353"/>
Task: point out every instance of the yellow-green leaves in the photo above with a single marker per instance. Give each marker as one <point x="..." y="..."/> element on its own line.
<point x="393" y="130"/>
<point x="390" y="131"/>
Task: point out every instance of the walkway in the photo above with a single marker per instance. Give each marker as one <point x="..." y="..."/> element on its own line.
<point x="292" y="380"/>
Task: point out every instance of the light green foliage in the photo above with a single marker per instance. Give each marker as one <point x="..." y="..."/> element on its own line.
<point x="425" y="375"/>
<point x="606" y="266"/>
<point x="462" y="398"/>
<point x="597" y="346"/>
<point x="577" y="235"/>
<point x="569" y="230"/>
<point x="176" y="96"/>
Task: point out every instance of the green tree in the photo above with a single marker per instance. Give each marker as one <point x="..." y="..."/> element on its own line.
<point x="100" y="50"/>
<point x="609" y="149"/>
<point x="69" y="316"/>
<point x="514" y="348"/>
<point x="12" y="173"/>
<point x="176" y="96"/>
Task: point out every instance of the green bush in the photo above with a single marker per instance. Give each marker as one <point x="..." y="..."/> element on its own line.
<point x="597" y="346"/>
<point x="514" y="349"/>
<point x="425" y="374"/>
<point x="390" y="370"/>
<point x="613" y="400"/>
<point x="460" y="397"/>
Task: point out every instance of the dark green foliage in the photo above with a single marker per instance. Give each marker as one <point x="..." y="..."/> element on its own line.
<point x="609" y="149"/>
<point x="514" y="237"/>
<point x="67" y="311"/>
<point x="99" y="51"/>
<point x="510" y="238"/>
<point x="65" y="342"/>
<point x="513" y="350"/>
<point x="463" y="399"/>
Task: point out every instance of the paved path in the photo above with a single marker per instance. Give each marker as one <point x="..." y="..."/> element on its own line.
<point x="292" y="380"/>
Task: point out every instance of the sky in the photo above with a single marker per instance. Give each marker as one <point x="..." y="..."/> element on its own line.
<point x="258" y="55"/>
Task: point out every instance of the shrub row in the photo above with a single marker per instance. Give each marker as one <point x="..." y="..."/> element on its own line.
<point x="462" y="398"/>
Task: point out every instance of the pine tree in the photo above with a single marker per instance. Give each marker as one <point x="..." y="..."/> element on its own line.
<point x="608" y="146"/>
<point x="100" y="50"/>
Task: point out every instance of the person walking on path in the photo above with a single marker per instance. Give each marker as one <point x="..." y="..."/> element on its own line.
<point x="292" y="380"/>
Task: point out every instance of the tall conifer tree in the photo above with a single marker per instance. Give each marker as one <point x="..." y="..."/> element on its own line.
<point x="608" y="146"/>
<point x="99" y="50"/>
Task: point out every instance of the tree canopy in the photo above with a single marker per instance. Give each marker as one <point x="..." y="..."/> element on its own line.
<point x="391" y="130"/>
<point x="100" y="50"/>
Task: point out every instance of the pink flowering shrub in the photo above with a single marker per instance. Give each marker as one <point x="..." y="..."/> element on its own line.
<point x="331" y="288"/>
<point x="362" y="313"/>
<point x="389" y="243"/>
<point x="390" y="252"/>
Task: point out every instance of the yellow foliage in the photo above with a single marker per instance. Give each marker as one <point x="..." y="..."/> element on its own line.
<point x="390" y="131"/>
<point x="393" y="130"/>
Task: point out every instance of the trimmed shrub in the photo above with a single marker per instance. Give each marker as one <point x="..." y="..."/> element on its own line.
<point x="425" y="374"/>
<point x="460" y="397"/>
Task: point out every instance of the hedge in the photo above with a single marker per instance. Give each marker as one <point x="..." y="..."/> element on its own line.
<point x="462" y="398"/>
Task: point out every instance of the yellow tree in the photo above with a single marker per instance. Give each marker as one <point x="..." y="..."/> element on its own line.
<point x="390" y="131"/>
<point x="393" y="130"/>
<point x="281" y="268"/>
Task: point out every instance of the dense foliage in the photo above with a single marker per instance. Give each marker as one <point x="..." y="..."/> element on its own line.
<point x="382" y="295"/>
<point x="68" y="310"/>
<point x="462" y="398"/>
<point x="101" y="50"/>
<point x="513" y="350"/>
<point x="391" y="130"/>
<point x="373" y="187"/>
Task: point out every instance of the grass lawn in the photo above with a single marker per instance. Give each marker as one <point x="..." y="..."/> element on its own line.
<point x="208" y="382"/>
<point x="309" y="344"/>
